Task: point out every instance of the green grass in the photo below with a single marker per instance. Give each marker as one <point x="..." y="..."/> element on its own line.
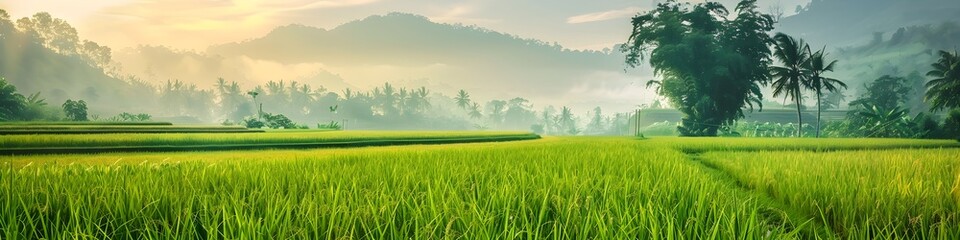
<point x="860" y="194"/>
<point x="561" y="188"/>
<point x="697" y="145"/>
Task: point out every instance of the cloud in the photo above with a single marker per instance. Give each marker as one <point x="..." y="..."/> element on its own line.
<point x="604" y="16"/>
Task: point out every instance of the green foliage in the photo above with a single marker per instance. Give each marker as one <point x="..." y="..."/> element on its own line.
<point x="886" y="92"/>
<point x="463" y="99"/>
<point x="791" y="78"/>
<point x="767" y="129"/>
<point x="130" y="117"/>
<point x="75" y="110"/>
<point x="278" y="121"/>
<point x="943" y="92"/>
<point x="251" y="122"/>
<point x="331" y="125"/>
<point x="274" y="121"/>
<point x="11" y="102"/>
<point x="712" y="66"/>
<point x="951" y="125"/>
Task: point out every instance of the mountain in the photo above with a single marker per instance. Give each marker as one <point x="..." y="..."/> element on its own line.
<point x="400" y="46"/>
<point x="409" y="40"/>
<point x="872" y="38"/>
<point x="850" y="22"/>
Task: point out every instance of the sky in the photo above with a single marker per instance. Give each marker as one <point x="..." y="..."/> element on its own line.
<point x="196" y="24"/>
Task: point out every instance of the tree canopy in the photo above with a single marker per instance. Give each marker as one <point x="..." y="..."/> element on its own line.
<point x="711" y="66"/>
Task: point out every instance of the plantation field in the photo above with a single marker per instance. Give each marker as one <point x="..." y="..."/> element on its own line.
<point x="572" y="187"/>
<point x="42" y="123"/>
<point x="119" y="127"/>
<point x="281" y="136"/>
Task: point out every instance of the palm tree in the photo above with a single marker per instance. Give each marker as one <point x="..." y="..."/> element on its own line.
<point x="475" y="111"/>
<point x="817" y="65"/>
<point x="790" y="78"/>
<point x="944" y="90"/>
<point x="463" y="99"/>
<point x="565" y="118"/>
<point x="420" y="99"/>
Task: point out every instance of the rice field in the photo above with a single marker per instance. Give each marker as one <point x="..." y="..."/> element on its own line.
<point x="860" y="194"/>
<point x="560" y="188"/>
<point x="190" y="139"/>
<point x="34" y="128"/>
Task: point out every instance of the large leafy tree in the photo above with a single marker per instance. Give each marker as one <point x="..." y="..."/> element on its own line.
<point x="816" y="67"/>
<point x="791" y="77"/>
<point x="711" y="66"/>
<point x="11" y="102"/>
<point x="943" y="92"/>
<point x="75" y="110"/>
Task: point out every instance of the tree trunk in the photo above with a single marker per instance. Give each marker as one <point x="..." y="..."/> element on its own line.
<point x="818" y="113"/>
<point x="799" y="117"/>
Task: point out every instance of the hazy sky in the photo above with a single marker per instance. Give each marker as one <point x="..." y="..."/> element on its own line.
<point x="196" y="24"/>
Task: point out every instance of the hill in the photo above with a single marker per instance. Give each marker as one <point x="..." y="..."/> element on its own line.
<point x="67" y="70"/>
<point x="400" y="47"/>
<point x="853" y="22"/>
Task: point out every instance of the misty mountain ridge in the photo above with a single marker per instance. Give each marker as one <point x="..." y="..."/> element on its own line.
<point x="842" y="23"/>
<point x="402" y="39"/>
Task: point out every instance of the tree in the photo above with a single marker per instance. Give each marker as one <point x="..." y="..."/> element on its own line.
<point x="817" y="82"/>
<point x="596" y="122"/>
<point x="792" y="76"/>
<point x="832" y="100"/>
<point x="11" y="102"/>
<point x="75" y="110"/>
<point x="495" y="110"/>
<point x="475" y="111"/>
<point x="259" y="109"/>
<point x="884" y="122"/>
<point x="565" y="120"/>
<point x="886" y="92"/>
<point x="35" y="108"/>
<point x="943" y="92"/>
<point x="463" y="99"/>
<point x="711" y="66"/>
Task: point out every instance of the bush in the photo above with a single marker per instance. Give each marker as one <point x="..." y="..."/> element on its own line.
<point x="129" y="117"/>
<point x="331" y="125"/>
<point x="278" y="121"/>
<point x="250" y="122"/>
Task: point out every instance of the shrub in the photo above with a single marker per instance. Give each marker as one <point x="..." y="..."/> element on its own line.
<point x="331" y="125"/>
<point x="250" y="122"/>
